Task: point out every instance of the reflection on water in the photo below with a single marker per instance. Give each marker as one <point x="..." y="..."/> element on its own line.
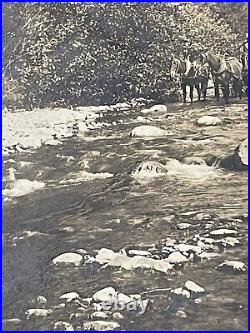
<point x="121" y="211"/>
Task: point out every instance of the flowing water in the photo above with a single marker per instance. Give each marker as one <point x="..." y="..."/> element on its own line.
<point x="122" y="212"/>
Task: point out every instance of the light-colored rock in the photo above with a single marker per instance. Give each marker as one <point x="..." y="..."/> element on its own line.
<point x="117" y="316"/>
<point x="106" y="294"/>
<point x="155" y="108"/>
<point x="177" y="258"/>
<point x="242" y="151"/>
<point x="209" y="121"/>
<point x="181" y="314"/>
<point x="99" y="315"/>
<point x="229" y="241"/>
<point x="185" y="248"/>
<point x="63" y="326"/>
<point x="38" y="313"/>
<point x="68" y="258"/>
<point x="223" y="232"/>
<point x="69" y="297"/>
<point x="101" y="325"/>
<point x="180" y="293"/>
<point x="194" y="288"/>
<point x="193" y="160"/>
<point x="231" y="267"/>
<point x="140" y="253"/>
<point x="184" y="226"/>
<point x="148" y="131"/>
<point x="202" y="216"/>
<point x="11" y="321"/>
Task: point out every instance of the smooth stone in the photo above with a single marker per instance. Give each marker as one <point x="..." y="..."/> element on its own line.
<point x="184" y="226"/>
<point x="193" y="288"/>
<point x="181" y="314"/>
<point x="68" y="258"/>
<point x="101" y="325"/>
<point x="231" y="267"/>
<point x="99" y="315"/>
<point x="223" y="232"/>
<point x="180" y="293"/>
<point x="140" y="253"/>
<point x="63" y="326"/>
<point x="177" y="258"/>
<point x="38" y="312"/>
<point x="11" y="321"/>
<point x="202" y="216"/>
<point x="105" y="294"/>
<point x="117" y="316"/>
<point x="148" y="131"/>
<point x="209" y="121"/>
<point x="228" y="241"/>
<point x="208" y="255"/>
<point x="69" y="297"/>
<point x="188" y="248"/>
<point x="155" y="108"/>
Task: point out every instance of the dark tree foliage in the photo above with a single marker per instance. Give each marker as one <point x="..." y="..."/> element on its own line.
<point x="97" y="53"/>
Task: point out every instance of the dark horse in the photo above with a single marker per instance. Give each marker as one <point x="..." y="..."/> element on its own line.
<point x="225" y="72"/>
<point x="197" y="77"/>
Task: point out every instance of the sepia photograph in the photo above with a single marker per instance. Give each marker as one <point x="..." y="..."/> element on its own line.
<point x="124" y="166"/>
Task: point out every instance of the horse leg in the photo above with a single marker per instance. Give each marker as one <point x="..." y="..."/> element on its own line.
<point x="184" y="91"/>
<point x="216" y="89"/>
<point x="191" y="93"/>
<point x="197" y="86"/>
<point x="226" y="91"/>
<point x="240" y="87"/>
<point x="204" y="89"/>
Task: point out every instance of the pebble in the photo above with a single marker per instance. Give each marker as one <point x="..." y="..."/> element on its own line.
<point x="231" y="267"/>
<point x="181" y="314"/>
<point x="101" y="325"/>
<point x="11" y="321"/>
<point x="148" y="131"/>
<point x="180" y="293"/>
<point x="117" y="316"/>
<point x="38" y="312"/>
<point x="184" y="226"/>
<point x="139" y="253"/>
<point x="193" y="288"/>
<point x="99" y="315"/>
<point x="209" y="121"/>
<point x="106" y="294"/>
<point x="223" y="232"/>
<point x="69" y="297"/>
<point x="68" y="258"/>
<point x="202" y="216"/>
<point x="63" y="326"/>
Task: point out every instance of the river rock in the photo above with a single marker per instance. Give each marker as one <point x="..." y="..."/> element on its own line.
<point x="107" y="294"/>
<point x="223" y="232"/>
<point x="63" y="326"/>
<point x="180" y="294"/>
<point x="229" y="241"/>
<point x="69" y="297"/>
<point x="101" y="325"/>
<point x="155" y="108"/>
<point x="99" y="315"/>
<point x="68" y="258"/>
<point x="139" y="253"/>
<point x="184" y="226"/>
<point x="148" y="131"/>
<point x="181" y="314"/>
<point x="231" y="267"/>
<point x="209" y="121"/>
<point x="186" y="248"/>
<point x="237" y="161"/>
<point x="10" y="324"/>
<point x="177" y="258"/>
<point x="194" y="288"/>
<point x="38" y="313"/>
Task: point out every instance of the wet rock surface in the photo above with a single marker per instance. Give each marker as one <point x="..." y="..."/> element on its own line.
<point x="174" y="247"/>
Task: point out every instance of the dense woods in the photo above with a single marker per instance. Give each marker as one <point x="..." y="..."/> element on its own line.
<point x="86" y="53"/>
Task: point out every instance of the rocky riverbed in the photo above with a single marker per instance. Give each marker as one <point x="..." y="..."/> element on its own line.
<point x="147" y="219"/>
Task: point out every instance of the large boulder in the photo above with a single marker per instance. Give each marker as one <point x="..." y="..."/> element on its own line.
<point x="236" y="161"/>
<point x="148" y="131"/>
